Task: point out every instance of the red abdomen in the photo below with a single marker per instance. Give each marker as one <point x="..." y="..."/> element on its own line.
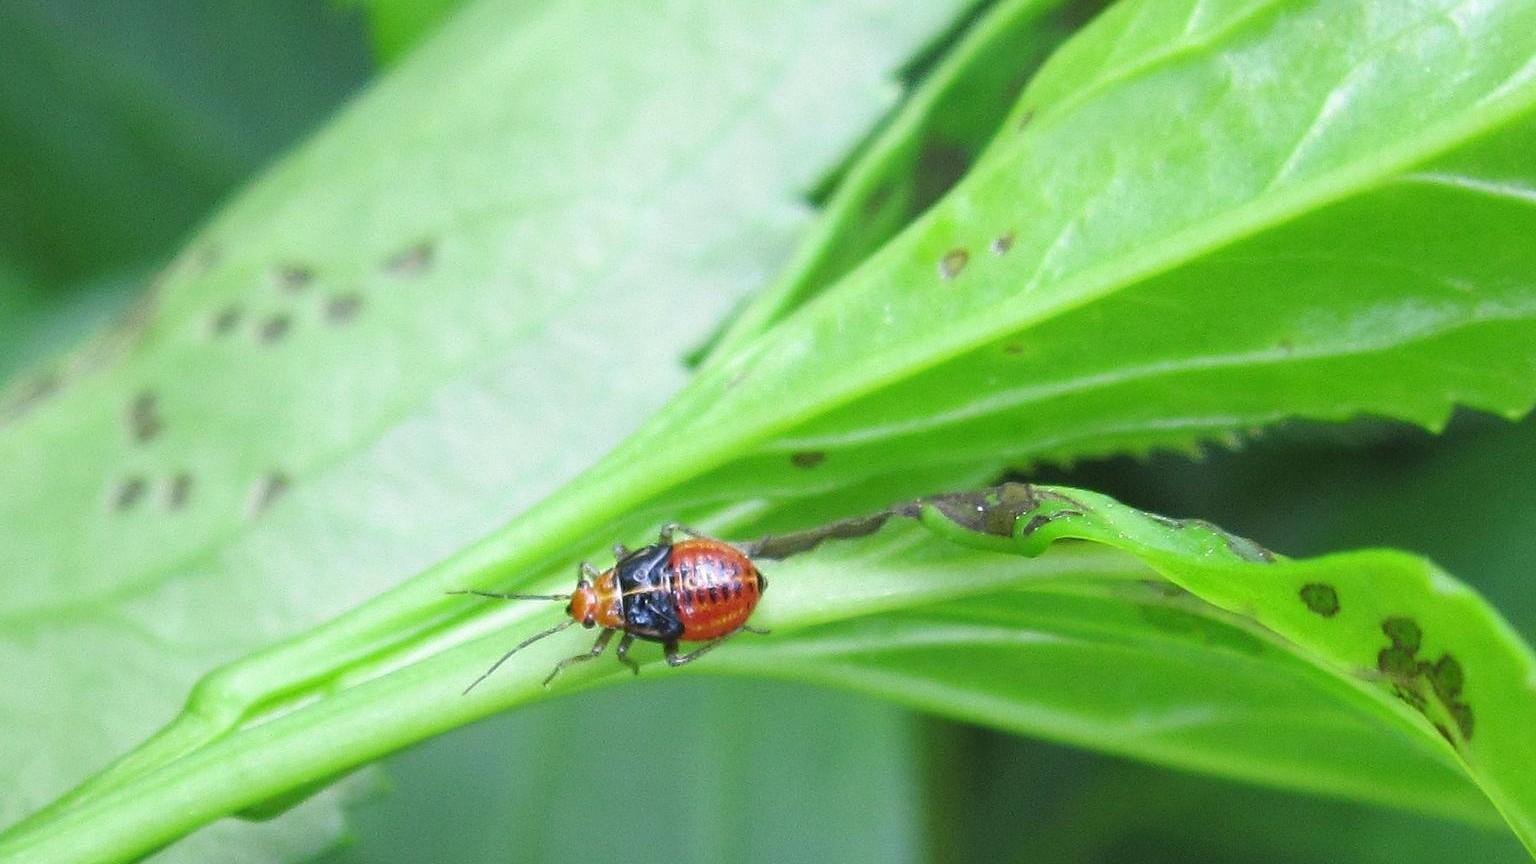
<point x="716" y="588"/>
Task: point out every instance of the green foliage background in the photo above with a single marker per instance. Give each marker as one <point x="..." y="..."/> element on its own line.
<point x="750" y="769"/>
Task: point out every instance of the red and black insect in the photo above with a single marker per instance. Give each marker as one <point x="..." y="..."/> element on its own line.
<point x="694" y="590"/>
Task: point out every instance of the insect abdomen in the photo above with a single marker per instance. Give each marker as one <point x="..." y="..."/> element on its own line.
<point x="716" y="588"/>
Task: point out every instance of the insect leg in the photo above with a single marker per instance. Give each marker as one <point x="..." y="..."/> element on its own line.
<point x="597" y="650"/>
<point x="588" y="572"/>
<point x="623" y="653"/>
<point x="676" y="659"/>
<point x="620" y="551"/>
<point x="673" y="528"/>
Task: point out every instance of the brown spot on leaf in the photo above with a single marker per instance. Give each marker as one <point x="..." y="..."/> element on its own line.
<point x="1404" y="633"/>
<point x="952" y="263"/>
<point x="225" y="321"/>
<point x="268" y="489"/>
<point x="1409" y="675"/>
<point x="294" y="277"/>
<point x="178" y="491"/>
<point x="343" y="307"/>
<point x="1001" y="243"/>
<point x="411" y="262"/>
<point x="1321" y="598"/>
<point x="128" y="493"/>
<point x="275" y="328"/>
<point x="808" y="458"/>
<point x="144" y="418"/>
<point x="1026" y="118"/>
<point x="1462" y="714"/>
<point x="1446" y="678"/>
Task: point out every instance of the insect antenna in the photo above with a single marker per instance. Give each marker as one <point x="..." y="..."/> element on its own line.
<point x="520" y="646"/>
<point x="495" y="596"/>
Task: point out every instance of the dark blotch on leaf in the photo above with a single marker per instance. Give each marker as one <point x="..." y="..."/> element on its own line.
<point x="343" y="307"/>
<point x="1001" y="243"/>
<point x="1445" y="675"/>
<point x="144" y="418"/>
<point x="952" y="263"/>
<point x="128" y="493"/>
<point x="411" y="262"/>
<point x="1462" y="714"/>
<point x="226" y="321"/>
<point x="179" y="491"/>
<point x="1397" y="663"/>
<point x="808" y="458"/>
<point x="1404" y="633"/>
<point x="294" y="277"/>
<point x="275" y="328"/>
<point x="1321" y="598"/>
<point x="270" y="488"/>
<point x="1013" y="348"/>
<point x="1026" y="118"/>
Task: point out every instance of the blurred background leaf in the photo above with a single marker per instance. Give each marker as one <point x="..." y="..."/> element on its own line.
<point x="396" y="26"/>
<point x="121" y="127"/>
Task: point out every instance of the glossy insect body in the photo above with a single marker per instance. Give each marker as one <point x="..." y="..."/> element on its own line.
<point x="695" y="590"/>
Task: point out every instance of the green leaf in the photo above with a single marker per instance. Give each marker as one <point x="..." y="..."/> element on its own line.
<point x="1354" y="666"/>
<point x="419" y="323"/>
<point x="736" y="764"/>
<point x="918" y="156"/>
<point x="397" y="26"/>
<point x="1201" y="222"/>
<point x="1202" y="238"/>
